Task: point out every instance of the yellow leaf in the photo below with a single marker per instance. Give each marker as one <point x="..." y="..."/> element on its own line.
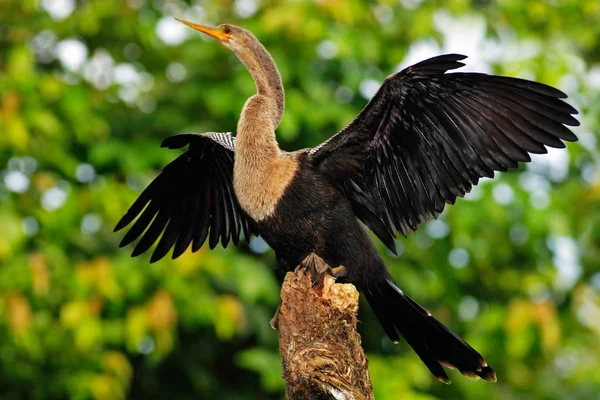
<point x="39" y="274"/>
<point x="43" y="181"/>
<point x="11" y="102"/>
<point x="586" y="303"/>
<point x="519" y="316"/>
<point x="136" y="326"/>
<point x="230" y="315"/>
<point x="73" y="313"/>
<point x="88" y="334"/>
<point x="19" y="312"/>
<point x="161" y="313"/>
<point x="187" y="264"/>
<point x="118" y="365"/>
<point x="18" y="135"/>
<point x="548" y="323"/>
<point x="51" y="88"/>
<point x="106" y="387"/>
<point x="520" y="375"/>
<point x="21" y="64"/>
<point x="45" y="122"/>
<point x="164" y="342"/>
<point x="98" y="273"/>
<point x="10" y="235"/>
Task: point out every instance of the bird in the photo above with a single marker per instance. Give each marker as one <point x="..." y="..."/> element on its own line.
<point x="424" y="139"/>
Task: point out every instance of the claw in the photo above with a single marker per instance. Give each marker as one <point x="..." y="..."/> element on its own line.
<point x="318" y="268"/>
<point x="338" y="271"/>
<point x="274" y="322"/>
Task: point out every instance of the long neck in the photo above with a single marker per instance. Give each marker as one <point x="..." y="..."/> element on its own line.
<point x="261" y="172"/>
<point x="262" y="67"/>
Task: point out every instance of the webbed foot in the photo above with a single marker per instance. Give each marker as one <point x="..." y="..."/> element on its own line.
<point x="318" y="268"/>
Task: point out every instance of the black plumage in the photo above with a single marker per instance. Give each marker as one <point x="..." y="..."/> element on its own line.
<point x="190" y="200"/>
<point x="425" y="138"/>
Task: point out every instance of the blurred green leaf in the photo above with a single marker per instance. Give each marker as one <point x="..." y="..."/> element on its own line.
<point x="88" y="90"/>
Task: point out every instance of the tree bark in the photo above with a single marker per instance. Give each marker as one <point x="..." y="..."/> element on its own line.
<point x="320" y="348"/>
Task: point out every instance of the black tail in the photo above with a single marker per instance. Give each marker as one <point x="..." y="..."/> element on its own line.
<point x="432" y="341"/>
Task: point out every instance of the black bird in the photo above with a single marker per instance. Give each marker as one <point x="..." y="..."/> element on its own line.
<point x="424" y="139"/>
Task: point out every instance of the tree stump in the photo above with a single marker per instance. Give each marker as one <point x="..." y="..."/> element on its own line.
<point x="320" y="348"/>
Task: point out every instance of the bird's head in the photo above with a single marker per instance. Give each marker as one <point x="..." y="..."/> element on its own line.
<point x="231" y="36"/>
<point x="254" y="56"/>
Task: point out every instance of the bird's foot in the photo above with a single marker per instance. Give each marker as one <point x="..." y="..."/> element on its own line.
<point x="318" y="268"/>
<point x="338" y="271"/>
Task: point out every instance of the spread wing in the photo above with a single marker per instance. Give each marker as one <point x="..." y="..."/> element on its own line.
<point x="427" y="137"/>
<point x="190" y="200"/>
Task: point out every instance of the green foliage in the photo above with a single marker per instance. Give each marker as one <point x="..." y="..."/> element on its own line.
<point x="88" y="93"/>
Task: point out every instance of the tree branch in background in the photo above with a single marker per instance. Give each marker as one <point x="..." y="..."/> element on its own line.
<point x="320" y="348"/>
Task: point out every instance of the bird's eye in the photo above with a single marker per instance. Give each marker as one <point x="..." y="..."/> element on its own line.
<point x="227" y="29"/>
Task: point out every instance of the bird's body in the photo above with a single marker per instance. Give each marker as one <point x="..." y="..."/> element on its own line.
<point x="314" y="217"/>
<point x="294" y="208"/>
<point x="424" y="139"/>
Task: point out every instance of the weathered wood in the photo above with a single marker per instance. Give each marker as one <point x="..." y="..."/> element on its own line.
<point x="320" y="348"/>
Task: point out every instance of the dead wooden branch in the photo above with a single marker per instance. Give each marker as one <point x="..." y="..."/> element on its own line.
<point x="320" y="348"/>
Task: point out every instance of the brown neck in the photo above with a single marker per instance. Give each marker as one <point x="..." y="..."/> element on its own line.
<point x="261" y="171"/>
<point x="261" y="66"/>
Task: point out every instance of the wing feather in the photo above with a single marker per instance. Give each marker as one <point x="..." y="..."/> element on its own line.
<point x="217" y="216"/>
<point x="192" y="199"/>
<point x="187" y="229"/>
<point x="168" y="238"/>
<point x="203" y="218"/>
<point x="428" y="136"/>
<point x="153" y="232"/>
<point x="231" y="205"/>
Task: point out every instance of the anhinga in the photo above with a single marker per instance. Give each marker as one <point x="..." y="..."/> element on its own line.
<point x="425" y="138"/>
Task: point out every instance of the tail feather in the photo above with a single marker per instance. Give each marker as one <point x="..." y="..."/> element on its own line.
<point x="430" y="339"/>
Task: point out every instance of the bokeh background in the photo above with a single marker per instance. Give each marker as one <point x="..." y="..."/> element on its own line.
<point x="88" y="90"/>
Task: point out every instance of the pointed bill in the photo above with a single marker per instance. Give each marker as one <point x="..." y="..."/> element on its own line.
<point x="214" y="32"/>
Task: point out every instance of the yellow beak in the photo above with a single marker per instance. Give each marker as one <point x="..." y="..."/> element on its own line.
<point x="214" y="32"/>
